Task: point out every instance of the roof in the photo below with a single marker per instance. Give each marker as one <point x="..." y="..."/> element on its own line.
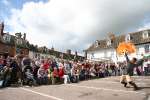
<point x="135" y="37"/>
<point x="103" y="43"/>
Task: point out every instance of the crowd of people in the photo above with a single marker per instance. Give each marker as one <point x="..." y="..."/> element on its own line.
<point x="27" y="71"/>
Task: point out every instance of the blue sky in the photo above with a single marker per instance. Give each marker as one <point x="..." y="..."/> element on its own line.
<point x="16" y="3"/>
<point x="73" y="24"/>
<point x="7" y="5"/>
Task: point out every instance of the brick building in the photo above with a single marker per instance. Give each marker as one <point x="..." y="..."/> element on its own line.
<point x="7" y="42"/>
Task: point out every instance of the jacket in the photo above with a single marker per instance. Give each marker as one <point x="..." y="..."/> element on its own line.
<point x="131" y="66"/>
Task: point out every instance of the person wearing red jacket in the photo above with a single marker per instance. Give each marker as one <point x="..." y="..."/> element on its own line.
<point x="61" y="72"/>
<point x="55" y="75"/>
<point x="46" y="65"/>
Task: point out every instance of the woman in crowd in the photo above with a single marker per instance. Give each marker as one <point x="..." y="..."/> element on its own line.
<point x="67" y="72"/>
<point x="7" y="75"/>
<point x="42" y="75"/>
<point x="75" y="73"/>
<point x="15" y="69"/>
<point x="55" y="75"/>
<point x="1" y="62"/>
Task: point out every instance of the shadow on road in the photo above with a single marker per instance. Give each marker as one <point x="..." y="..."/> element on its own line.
<point x="145" y="87"/>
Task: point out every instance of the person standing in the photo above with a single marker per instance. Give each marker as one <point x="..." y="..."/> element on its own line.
<point x="131" y="64"/>
<point x="145" y="67"/>
<point x="67" y="72"/>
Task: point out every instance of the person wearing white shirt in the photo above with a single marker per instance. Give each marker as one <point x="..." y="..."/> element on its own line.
<point x="145" y="66"/>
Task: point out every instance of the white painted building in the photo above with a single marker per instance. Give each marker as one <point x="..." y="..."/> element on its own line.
<point x="33" y="54"/>
<point x="104" y="50"/>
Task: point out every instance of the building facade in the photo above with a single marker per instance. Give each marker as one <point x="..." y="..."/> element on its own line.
<point x="7" y="42"/>
<point x="105" y="50"/>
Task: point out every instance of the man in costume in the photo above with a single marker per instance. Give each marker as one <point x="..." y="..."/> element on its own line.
<point x="131" y="64"/>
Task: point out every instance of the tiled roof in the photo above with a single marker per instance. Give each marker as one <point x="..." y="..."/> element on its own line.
<point x="135" y="37"/>
<point x="103" y="43"/>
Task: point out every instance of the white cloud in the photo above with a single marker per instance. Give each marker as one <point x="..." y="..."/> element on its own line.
<point x="76" y="23"/>
<point x="145" y="27"/>
<point x="6" y="2"/>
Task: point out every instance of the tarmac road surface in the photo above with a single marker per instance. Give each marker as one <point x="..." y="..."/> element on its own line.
<point x="96" y="89"/>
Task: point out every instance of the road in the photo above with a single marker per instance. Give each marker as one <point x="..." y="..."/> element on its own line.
<point x="96" y="89"/>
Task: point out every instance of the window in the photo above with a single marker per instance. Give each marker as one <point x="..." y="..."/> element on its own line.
<point x="127" y="38"/>
<point x="6" y="38"/>
<point x="108" y="42"/>
<point x="97" y="43"/>
<point x="92" y="56"/>
<point x="146" y="48"/>
<point x="145" y="34"/>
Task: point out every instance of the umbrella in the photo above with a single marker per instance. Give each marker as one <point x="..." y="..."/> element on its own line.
<point x="127" y="47"/>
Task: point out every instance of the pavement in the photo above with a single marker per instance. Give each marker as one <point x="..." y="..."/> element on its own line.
<point x="96" y="89"/>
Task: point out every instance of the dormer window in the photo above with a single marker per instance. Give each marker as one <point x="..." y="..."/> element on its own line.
<point x="145" y="34"/>
<point x="108" y="42"/>
<point x="97" y="43"/>
<point x="127" y="38"/>
<point x="6" y="38"/>
<point x="92" y="55"/>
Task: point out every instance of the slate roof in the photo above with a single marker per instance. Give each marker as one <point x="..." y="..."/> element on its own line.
<point x="135" y="37"/>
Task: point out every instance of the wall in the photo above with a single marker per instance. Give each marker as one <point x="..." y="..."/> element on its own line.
<point x="103" y="54"/>
<point x="111" y="53"/>
<point x="11" y="50"/>
<point x="141" y="49"/>
<point x="33" y="54"/>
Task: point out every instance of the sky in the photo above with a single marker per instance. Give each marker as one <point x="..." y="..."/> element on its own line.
<point x="73" y="24"/>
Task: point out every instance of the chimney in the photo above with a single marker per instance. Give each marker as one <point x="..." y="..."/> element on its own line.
<point x="68" y="51"/>
<point x="1" y="28"/>
<point x="24" y="36"/>
<point x="52" y="48"/>
<point x="85" y="54"/>
<point x="76" y="53"/>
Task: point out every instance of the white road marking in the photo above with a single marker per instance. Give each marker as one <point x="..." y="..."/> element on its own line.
<point x="42" y="94"/>
<point x="96" y="81"/>
<point x="148" y="97"/>
<point x="136" y="77"/>
<point x="143" y="79"/>
<point x="96" y="88"/>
